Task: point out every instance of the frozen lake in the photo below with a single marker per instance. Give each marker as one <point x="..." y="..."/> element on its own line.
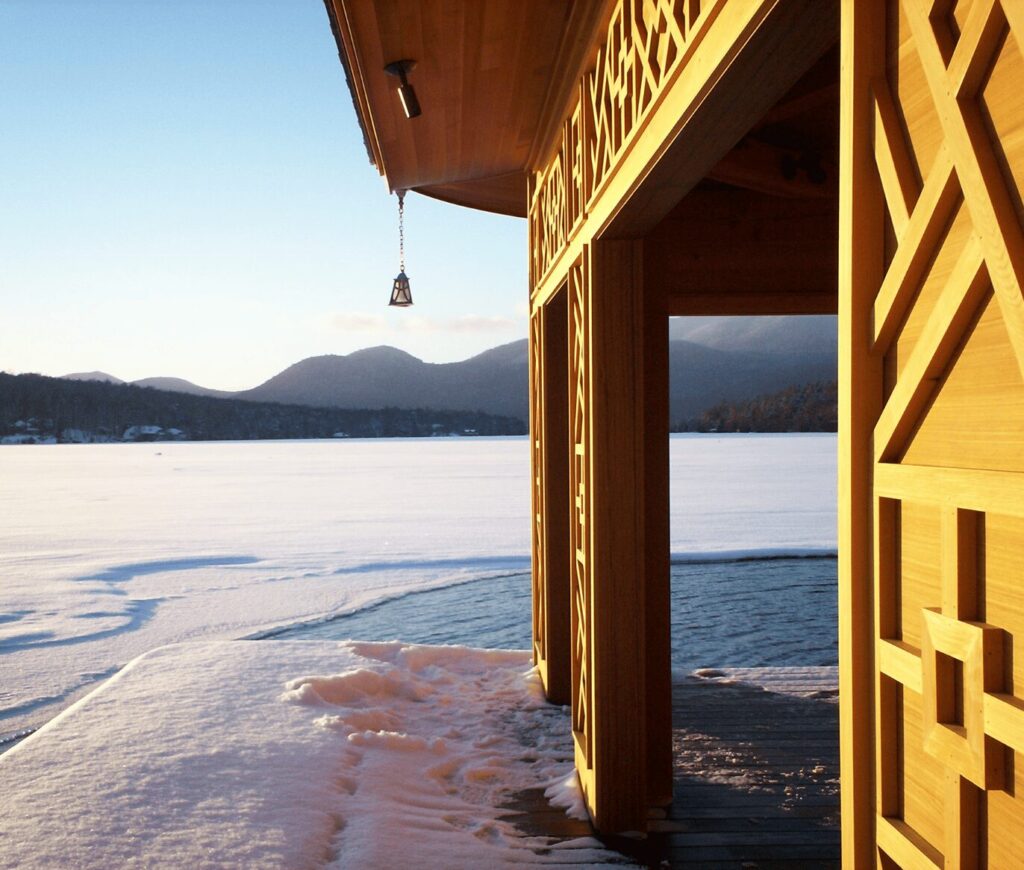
<point x="107" y="551"/>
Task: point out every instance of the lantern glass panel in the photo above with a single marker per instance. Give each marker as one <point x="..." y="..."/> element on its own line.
<point x="401" y="293"/>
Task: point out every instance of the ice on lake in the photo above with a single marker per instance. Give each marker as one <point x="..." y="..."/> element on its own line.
<point x="107" y="551"/>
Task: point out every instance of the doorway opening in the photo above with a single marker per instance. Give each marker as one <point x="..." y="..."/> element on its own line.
<point x="750" y="260"/>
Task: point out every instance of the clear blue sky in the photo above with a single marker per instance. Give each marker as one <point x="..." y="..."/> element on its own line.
<point x="184" y="191"/>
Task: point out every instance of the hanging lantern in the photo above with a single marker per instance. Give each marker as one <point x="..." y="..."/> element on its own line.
<point x="401" y="295"/>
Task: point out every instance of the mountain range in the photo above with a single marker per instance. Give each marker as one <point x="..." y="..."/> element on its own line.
<point x="711" y="360"/>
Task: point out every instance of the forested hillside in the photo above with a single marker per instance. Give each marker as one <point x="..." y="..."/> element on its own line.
<point x="37" y="408"/>
<point x="807" y="408"/>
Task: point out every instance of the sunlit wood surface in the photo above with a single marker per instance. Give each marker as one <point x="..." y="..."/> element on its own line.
<point x="756" y="783"/>
<point x="932" y="263"/>
<point x="485" y="72"/>
<point x="609" y="232"/>
<point x="685" y="159"/>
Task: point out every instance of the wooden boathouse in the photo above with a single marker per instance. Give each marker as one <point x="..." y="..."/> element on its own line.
<point x="679" y="157"/>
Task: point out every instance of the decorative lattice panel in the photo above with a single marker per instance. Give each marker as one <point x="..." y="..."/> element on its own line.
<point x="645" y="48"/>
<point x="948" y="145"/>
<point x="548" y="218"/>
<point x="646" y="43"/>
<point x="537" y="489"/>
<point x="579" y="480"/>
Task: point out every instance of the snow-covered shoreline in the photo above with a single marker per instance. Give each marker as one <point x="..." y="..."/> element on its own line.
<point x="318" y="754"/>
<point x="294" y="754"/>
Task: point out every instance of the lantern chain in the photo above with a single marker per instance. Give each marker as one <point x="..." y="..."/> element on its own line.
<point x="401" y="230"/>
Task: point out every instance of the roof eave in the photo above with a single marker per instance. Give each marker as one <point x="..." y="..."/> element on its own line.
<point x="350" y="64"/>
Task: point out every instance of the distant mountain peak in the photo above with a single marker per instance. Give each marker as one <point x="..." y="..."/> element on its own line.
<point x="381" y="351"/>
<point x="180" y="385"/>
<point x="92" y="376"/>
<point x="513" y="352"/>
<point x="777" y="333"/>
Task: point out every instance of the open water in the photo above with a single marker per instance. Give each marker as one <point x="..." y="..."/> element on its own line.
<point x="742" y="613"/>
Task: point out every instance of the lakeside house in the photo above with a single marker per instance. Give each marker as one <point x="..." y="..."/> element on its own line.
<point x="694" y="157"/>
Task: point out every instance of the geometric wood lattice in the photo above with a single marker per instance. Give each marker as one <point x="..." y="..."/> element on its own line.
<point x="968" y="721"/>
<point x="647" y="44"/>
<point x="539" y="587"/>
<point x="579" y="471"/>
<point x="947" y="717"/>
<point x="954" y="709"/>
<point x="549" y="465"/>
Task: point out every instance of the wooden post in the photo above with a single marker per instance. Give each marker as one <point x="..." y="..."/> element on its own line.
<point x="621" y="689"/>
<point x="549" y="428"/>
<point x="860" y="389"/>
<point x="657" y="545"/>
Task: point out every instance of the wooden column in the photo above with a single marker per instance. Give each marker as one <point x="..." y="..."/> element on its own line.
<point x="657" y="546"/>
<point x="860" y="382"/>
<point x="549" y="437"/>
<point x="621" y="674"/>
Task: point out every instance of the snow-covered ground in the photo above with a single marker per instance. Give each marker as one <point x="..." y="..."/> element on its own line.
<point x="107" y="551"/>
<point x="297" y="755"/>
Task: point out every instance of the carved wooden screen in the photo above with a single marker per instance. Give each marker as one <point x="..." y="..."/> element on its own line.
<point x="549" y="461"/>
<point x="537" y="489"/>
<point x="941" y="89"/>
<point x="643" y="51"/>
<point x="579" y="411"/>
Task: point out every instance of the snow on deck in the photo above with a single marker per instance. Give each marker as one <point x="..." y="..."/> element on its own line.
<point x="294" y="754"/>
<point x="816" y="681"/>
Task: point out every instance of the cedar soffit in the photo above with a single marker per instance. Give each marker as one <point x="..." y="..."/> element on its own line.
<point x="488" y="74"/>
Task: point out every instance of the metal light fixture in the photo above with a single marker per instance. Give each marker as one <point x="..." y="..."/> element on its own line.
<point x="401" y="295"/>
<point x="400" y="69"/>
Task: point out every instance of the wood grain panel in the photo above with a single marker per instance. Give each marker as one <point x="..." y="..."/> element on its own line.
<point x="675" y="85"/>
<point x="946" y="253"/>
<point x="1004" y="834"/>
<point x="483" y="72"/>
<point x="776" y="246"/>
<point x="976" y="418"/>
<point x="922" y="777"/>
<point x="920" y="581"/>
<point x="1000" y="103"/>
<point x="909" y="88"/>
<point x="1003" y="597"/>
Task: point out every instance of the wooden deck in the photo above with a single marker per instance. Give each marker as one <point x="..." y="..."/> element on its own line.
<point x="756" y="779"/>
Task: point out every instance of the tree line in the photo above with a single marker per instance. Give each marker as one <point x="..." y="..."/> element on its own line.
<point x="57" y="406"/>
<point x="806" y="408"/>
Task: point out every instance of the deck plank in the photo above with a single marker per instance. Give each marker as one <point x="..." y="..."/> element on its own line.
<point x="756" y="777"/>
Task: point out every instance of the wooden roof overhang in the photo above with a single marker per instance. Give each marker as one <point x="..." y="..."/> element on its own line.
<point x="493" y="78"/>
<point x="747" y="174"/>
